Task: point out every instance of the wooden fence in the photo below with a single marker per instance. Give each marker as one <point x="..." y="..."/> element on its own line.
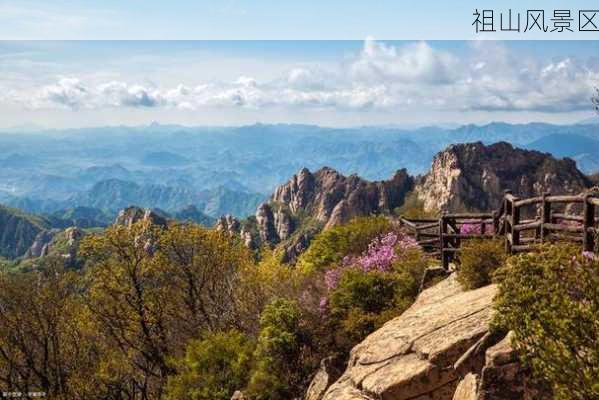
<point x="565" y="217"/>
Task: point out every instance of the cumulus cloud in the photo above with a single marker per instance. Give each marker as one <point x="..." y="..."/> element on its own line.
<point x="487" y="76"/>
<point x="414" y="62"/>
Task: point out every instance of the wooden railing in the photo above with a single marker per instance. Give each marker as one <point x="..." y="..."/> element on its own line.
<point x="521" y="222"/>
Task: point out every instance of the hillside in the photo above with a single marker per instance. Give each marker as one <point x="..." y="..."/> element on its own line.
<point x="18" y="231"/>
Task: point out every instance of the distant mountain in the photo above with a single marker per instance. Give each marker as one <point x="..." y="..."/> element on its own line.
<point x="191" y="213"/>
<point x="566" y="145"/>
<point x="114" y="194"/>
<point x="81" y="217"/>
<point x="101" y="172"/>
<point x="227" y="169"/>
<point x="163" y="159"/>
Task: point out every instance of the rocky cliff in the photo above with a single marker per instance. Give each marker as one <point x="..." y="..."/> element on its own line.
<point x="130" y="215"/>
<point x="18" y="231"/>
<point x="309" y="202"/>
<point x="473" y="176"/>
<point x="440" y="348"/>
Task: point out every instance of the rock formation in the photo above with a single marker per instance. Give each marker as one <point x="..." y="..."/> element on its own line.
<point x="324" y="377"/>
<point x="309" y="202"/>
<point x="39" y="247"/>
<point x="334" y="199"/>
<point x="473" y="176"/>
<point x="130" y="215"/>
<point x="424" y="353"/>
<point x="19" y="231"/>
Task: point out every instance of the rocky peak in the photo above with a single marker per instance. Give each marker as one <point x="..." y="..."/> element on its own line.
<point x="473" y="176"/>
<point x="133" y="214"/>
<point x="40" y="245"/>
<point x="333" y="198"/>
<point x="327" y="198"/>
<point x="228" y="223"/>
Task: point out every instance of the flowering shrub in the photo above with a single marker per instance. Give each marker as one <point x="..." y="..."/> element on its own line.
<point x="475" y="228"/>
<point x="365" y="291"/>
<point x="382" y="252"/>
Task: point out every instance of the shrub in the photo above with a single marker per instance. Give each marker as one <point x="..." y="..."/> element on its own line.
<point x="367" y="291"/>
<point x="479" y="259"/>
<point x="212" y="369"/>
<point x="282" y="363"/>
<point x="330" y="246"/>
<point x="414" y="208"/>
<point x="550" y="299"/>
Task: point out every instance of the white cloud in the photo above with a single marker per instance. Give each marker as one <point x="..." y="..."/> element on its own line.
<point x="487" y="76"/>
<point x="379" y="62"/>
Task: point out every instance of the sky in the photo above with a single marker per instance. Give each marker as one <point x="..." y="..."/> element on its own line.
<point x="267" y="19"/>
<point x="331" y="83"/>
<point x="72" y="63"/>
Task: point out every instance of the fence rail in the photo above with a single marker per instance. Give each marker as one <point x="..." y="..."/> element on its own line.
<point x="562" y="217"/>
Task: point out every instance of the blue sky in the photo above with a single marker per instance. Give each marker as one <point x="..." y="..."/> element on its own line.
<point x="260" y="19"/>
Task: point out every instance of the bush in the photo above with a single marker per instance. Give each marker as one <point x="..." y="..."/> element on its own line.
<point x="361" y="300"/>
<point x="212" y="369"/>
<point x="282" y="362"/>
<point x="413" y="207"/>
<point x="330" y="246"/>
<point x="550" y="299"/>
<point x="479" y="259"/>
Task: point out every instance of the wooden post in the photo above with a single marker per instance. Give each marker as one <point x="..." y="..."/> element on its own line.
<point x="515" y="221"/>
<point x="588" y="241"/>
<point x="507" y="225"/>
<point x="443" y="241"/>
<point x="545" y="215"/>
<point x="495" y="223"/>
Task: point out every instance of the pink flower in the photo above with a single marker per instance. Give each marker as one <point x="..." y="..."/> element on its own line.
<point x="382" y="252"/>
<point x="470" y="228"/>
<point x="589" y="255"/>
<point x="332" y="276"/>
<point x="323" y="306"/>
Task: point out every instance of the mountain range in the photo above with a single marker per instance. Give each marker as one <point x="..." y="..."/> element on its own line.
<point x="231" y="170"/>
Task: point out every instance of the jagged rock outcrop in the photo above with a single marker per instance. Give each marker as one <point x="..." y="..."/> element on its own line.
<point x="130" y="215"/>
<point x="309" y="202"/>
<point x="232" y="226"/>
<point x="266" y="224"/>
<point x="333" y="198"/>
<point x="40" y="245"/>
<point x="18" y="231"/>
<point x="502" y="377"/>
<point x="473" y="176"/>
<point x="324" y="377"/>
<point x="413" y="355"/>
<point x="228" y="223"/>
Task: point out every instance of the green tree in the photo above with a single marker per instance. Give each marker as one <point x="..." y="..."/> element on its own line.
<point x="479" y="259"/>
<point x="330" y="246"/>
<point x="364" y="300"/>
<point x="44" y="343"/>
<point x="213" y="368"/>
<point x="282" y="356"/>
<point x="550" y="299"/>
